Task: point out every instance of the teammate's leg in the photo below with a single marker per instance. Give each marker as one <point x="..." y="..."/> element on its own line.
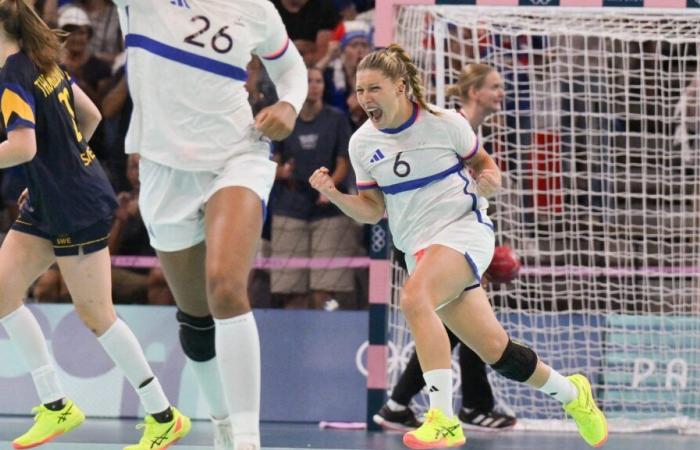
<point x="23" y="257"/>
<point x="233" y="218"/>
<point x="88" y="277"/>
<point x="170" y="202"/>
<point x="185" y="274"/>
<point x="473" y="320"/>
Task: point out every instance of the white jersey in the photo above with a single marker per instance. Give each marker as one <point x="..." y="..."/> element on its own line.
<point x="420" y="169"/>
<point x="186" y="64"/>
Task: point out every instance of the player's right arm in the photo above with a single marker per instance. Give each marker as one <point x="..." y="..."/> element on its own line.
<point x="287" y="71"/>
<point x="366" y="207"/>
<point x="87" y="114"/>
<point x="17" y="106"/>
<point x="19" y="148"/>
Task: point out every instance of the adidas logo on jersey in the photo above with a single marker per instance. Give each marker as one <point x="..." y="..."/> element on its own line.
<point x="377" y="156"/>
<point x="180" y="3"/>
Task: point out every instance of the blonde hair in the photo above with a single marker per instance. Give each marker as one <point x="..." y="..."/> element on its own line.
<point x="21" y="23"/>
<point x="394" y="63"/>
<point x="473" y="76"/>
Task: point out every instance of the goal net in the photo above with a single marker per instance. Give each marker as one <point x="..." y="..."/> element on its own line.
<point x="599" y="142"/>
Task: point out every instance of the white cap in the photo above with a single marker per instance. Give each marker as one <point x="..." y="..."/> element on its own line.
<point x="73" y="15"/>
<point x="356" y="29"/>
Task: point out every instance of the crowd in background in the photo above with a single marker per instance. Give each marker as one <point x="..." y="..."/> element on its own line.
<point x="332" y="36"/>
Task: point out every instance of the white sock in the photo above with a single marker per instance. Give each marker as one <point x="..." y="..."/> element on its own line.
<point x="238" y="354"/>
<point x="152" y="397"/>
<point x="209" y="380"/>
<point x="395" y="406"/>
<point x="24" y="332"/>
<point x="121" y="345"/>
<point x="559" y="387"/>
<point x="439" y="385"/>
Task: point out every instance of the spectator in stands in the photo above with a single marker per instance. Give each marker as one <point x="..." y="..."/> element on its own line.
<point x="310" y="24"/>
<point x="106" y="42"/>
<point x="89" y="72"/>
<point x="12" y="184"/>
<point x="305" y="224"/>
<point x="339" y="66"/>
<point x="116" y="111"/>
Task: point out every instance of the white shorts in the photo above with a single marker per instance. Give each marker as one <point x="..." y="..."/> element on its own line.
<point x="172" y="201"/>
<point x="472" y="236"/>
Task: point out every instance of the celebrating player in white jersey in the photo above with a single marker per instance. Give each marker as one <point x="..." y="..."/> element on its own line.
<point x="206" y="175"/>
<point x="480" y="91"/>
<point x="414" y="161"/>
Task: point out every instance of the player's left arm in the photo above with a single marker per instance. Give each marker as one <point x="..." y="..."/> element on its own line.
<point x="87" y="114"/>
<point x="486" y="173"/>
<point x="469" y="149"/>
<point x="288" y="72"/>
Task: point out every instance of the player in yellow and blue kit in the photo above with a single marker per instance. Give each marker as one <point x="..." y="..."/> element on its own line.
<point x="66" y="219"/>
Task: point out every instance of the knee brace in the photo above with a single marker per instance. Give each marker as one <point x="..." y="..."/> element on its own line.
<point x="197" y="336"/>
<point x="517" y="363"/>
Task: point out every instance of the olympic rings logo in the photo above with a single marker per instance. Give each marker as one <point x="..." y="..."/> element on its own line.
<point x="378" y="238"/>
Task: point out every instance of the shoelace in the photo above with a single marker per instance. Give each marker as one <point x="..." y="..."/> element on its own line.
<point x="585" y="411"/>
<point x="38" y="411"/>
<point x="145" y="438"/>
<point x="224" y="434"/>
<point x="430" y="416"/>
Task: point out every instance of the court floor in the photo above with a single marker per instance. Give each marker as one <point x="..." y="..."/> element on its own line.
<point x="114" y="434"/>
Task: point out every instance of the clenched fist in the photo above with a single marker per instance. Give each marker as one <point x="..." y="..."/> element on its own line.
<point x="276" y="121"/>
<point x="323" y="183"/>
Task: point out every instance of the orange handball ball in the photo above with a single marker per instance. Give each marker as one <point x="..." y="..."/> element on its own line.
<point x="504" y="266"/>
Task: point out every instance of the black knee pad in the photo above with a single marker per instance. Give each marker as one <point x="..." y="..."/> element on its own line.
<point x="197" y="336"/>
<point x="517" y="363"/>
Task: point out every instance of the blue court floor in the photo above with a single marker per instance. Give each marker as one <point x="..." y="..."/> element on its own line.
<point x="114" y="434"/>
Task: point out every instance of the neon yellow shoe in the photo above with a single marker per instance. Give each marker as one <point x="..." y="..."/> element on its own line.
<point x="438" y="431"/>
<point x="591" y="422"/>
<point x="49" y="425"/>
<point x="159" y="436"/>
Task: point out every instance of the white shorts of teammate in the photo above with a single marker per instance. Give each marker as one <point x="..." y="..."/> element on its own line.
<point x="172" y="201"/>
<point x="472" y="235"/>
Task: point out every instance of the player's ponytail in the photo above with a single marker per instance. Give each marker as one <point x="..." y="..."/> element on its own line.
<point x="395" y="63"/>
<point x="473" y="76"/>
<point x="39" y="42"/>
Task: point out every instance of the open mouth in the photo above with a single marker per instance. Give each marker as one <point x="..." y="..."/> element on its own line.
<point x="375" y="114"/>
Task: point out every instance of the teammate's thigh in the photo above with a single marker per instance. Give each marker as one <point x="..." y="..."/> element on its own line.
<point x="290" y="239"/>
<point x="333" y="237"/>
<point x="233" y="224"/>
<point x="23" y="258"/>
<point x="472" y="319"/>
<point x="440" y="274"/>
<point x="89" y="281"/>
<point x="184" y="271"/>
<point x="171" y="203"/>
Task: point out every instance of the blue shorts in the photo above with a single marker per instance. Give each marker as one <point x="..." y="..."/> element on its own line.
<point x="89" y="240"/>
